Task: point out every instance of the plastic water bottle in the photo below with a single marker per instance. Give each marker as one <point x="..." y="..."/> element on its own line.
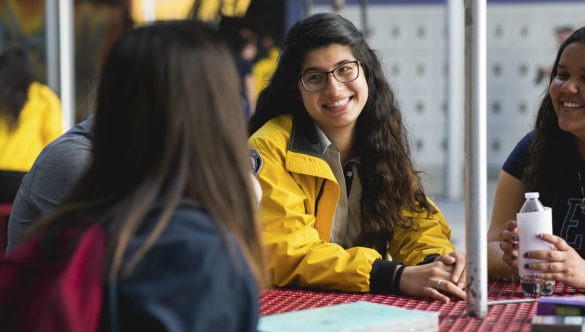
<point x="533" y="218"/>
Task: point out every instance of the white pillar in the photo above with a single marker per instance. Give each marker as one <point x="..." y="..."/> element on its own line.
<point x="67" y="62"/>
<point x="60" y="48"/>
<point x="52" y="44"/>
<point x="456" y="100"/>
<point x="475" y="156"/>
<point x="149" y="10"/>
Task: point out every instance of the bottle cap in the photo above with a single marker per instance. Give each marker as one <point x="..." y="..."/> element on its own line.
<point x="531" y="195"/>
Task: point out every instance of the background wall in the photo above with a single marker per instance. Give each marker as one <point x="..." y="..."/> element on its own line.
<point x="411" y="39"/>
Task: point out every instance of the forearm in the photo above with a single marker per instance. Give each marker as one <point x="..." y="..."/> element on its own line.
<point x="322" y="265"/>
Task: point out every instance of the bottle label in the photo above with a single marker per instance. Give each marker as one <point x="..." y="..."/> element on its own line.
<point x="529" y="225"/>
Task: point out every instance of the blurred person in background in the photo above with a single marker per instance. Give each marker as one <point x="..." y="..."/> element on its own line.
<point x="264" y="67"/>
<point x="245" y="47"/>
<point x="245" y="54"/>
<point x="30" y="118"/>
<point x="56" y="170"/>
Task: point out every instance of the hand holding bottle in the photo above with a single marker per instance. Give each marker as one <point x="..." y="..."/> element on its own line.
<point x="563" y="264"/>
<point x="533" y="219"/>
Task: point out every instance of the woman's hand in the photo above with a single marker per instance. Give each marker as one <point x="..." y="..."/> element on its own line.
<point x="564" y="264"/>
<point x="502" y="234"/>
<point x="509" y="245"/>
<point x="433" y="280"/>
<point x="459" y="274"/>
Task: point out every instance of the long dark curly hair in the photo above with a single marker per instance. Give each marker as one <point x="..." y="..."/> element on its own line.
<point x="392" y="184"/>
<point x="553" y="151"/>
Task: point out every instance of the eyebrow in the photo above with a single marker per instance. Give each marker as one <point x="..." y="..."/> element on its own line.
<point x="313" y="69"/>
<point x="565" y="67"/>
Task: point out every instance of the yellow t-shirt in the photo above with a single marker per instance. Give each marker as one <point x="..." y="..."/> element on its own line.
<point x="39" y="123"/>
<point x="264" y="68"/>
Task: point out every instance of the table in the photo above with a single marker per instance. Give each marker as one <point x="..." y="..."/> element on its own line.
<point x="453" y="316"/>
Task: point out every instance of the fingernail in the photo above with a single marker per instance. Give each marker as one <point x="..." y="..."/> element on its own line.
<point x="513" y="245"/>
<point x="514" y="257"/>
<point x="537" y="275"/>
<point x="513" y="236"/>
<point x="525" y="254"/>
<point x="539" y="235"/>
<point x="526" y="266"/>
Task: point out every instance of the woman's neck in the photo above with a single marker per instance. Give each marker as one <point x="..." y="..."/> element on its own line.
<point x="344" y="142"/>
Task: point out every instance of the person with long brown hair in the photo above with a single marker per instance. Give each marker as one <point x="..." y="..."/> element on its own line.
<point x="343" y="207"/>
<point x="169" y="180"/>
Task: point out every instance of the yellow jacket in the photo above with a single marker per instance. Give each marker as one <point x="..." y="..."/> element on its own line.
<point x="300" y="194"/>
<point x="39" y="123"/>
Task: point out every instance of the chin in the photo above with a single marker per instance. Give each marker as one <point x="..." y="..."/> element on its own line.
<point x="569" y="128"/>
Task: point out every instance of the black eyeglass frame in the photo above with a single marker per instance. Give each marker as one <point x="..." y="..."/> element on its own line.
<point x="326" y="73"/>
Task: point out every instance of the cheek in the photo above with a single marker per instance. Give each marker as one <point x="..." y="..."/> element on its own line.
<point x="308" y="103"/>
<point x="308" y="99"/>
<point x="364" y="92"/>
<point x="554" y="90"/>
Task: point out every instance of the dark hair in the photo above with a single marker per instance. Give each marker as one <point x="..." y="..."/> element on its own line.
<point x="553" y="151"/>
<point x="392" y="183"/>
<point x="16" y="76"/>
<point x="168" y="127"/>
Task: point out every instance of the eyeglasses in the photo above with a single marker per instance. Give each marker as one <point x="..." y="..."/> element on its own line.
<point x="344" y="73"/>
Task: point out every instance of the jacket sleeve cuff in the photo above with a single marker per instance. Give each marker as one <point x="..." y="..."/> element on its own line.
<point x="382" y="276"/>
<point x="429" y="259"/>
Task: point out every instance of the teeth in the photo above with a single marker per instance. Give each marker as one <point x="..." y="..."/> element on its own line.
<point x="338" y="103"/>
<point x="572" y="105"/>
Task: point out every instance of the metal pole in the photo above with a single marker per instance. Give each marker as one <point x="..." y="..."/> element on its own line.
<point x="66" y="62"/>
<point x="51" y="46"/>
<point x="475" y="156"/>
<point x="456" y="99"/>
<point x="364" y="17"/>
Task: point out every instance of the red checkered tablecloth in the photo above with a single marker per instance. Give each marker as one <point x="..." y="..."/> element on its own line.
<point x="453" y="316"/>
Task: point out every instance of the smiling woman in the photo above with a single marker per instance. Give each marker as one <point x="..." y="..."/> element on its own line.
<point x="343" y="207"/>
<point x="549" y="160"/>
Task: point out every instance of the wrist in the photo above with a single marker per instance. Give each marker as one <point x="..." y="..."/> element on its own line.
<point x="397" y="278"/>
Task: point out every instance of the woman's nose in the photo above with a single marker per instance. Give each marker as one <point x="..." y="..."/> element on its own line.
<point x="570" y="87"/>
<point x="333" y="85"/>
